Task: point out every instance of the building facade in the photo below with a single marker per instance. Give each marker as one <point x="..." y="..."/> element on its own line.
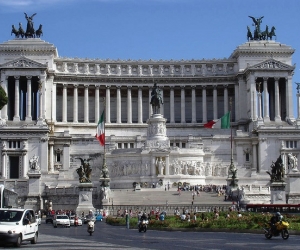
<point x="54" y="105"/>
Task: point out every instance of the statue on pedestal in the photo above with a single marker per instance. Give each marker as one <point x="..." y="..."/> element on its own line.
<point x="156" y="99"/>
<point x="277" y="171"/>
<point x="33" y="162"/>
<point x="84" y="171"/>
<point x="292" y="162"/>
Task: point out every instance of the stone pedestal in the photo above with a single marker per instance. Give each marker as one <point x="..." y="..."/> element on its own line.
<point x="293" y="187"/>
<point x="278" y="193"/>
<point x="85" y="198"/>
<point x="157" y="132"/>
<point x="138" y="187"/>
<point x="33" y="200"/>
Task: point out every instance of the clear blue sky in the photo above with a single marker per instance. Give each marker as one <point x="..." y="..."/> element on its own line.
<point x="153" y="29"/>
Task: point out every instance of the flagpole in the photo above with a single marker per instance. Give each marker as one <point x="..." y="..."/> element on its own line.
<point x="104" y="175"/>
<point x="232" y="169"/>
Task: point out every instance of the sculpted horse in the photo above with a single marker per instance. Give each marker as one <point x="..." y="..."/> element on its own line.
<point x="21" y="31"/>
<point x="272" y="33"/>
<point x="249" y="34"/>
<point x="264" y="34"/>
<point x="39" y="31"/>
<point x="15" y="31"/>
<point x="156" y="99"/>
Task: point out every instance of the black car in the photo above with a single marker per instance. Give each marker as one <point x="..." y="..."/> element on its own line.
<point x="49" y="218"/>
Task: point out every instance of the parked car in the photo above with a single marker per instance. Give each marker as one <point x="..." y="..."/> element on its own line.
<point x="61" y="220"/>
<point x="99" y="217"/>
<point x="49" y="218"/>
<point x="73" y="219"/>
<point x="17" y="225"/>
<point x="38" y="219"/>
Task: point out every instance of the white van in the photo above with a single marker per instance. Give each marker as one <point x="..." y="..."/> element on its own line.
<point x="17" y="225"/>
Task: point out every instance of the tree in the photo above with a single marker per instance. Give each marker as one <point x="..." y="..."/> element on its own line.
<point x="3" y="98"/>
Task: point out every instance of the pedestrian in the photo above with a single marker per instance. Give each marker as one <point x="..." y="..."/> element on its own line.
<point x="165" y="187"/>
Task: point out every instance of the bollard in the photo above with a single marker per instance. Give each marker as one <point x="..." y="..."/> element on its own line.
<point x="127" y="219"/>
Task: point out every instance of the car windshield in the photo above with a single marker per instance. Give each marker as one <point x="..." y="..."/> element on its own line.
<point x="64" y="217"/>
<point x="10" y="215"/>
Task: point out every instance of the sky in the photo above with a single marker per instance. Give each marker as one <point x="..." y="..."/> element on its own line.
<point x="154" y="29"/>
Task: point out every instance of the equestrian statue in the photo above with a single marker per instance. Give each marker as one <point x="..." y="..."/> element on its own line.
<point x="156" y="99"/>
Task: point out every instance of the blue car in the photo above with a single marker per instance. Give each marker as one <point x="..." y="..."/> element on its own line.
<point x="99" y="217"/>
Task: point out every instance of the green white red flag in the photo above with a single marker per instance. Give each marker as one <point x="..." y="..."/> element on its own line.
<point x="100" y="135"/>
<point x="223" y="122"/>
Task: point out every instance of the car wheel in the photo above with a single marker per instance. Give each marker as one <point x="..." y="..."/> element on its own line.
<point x="19" y="241"/>
<point x="34" y="240"/>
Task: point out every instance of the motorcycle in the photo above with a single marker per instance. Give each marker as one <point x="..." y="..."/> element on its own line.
<point x="143" y="225"/>
<point x="281" y="229"/>
<point x="76" y="221"/>
<point x="91" y="227"/>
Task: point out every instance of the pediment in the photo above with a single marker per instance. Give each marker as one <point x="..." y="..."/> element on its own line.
<point x="23" y="62"/>
<point x="271" y="64"/>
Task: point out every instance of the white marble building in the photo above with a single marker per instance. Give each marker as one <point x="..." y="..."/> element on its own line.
<point x="55" y="103"/>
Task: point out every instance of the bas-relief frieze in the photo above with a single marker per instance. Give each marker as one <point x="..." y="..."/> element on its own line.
<point x="198" y="168"/>
<point x="128" y="168"/>
<point x="155" y="144"/>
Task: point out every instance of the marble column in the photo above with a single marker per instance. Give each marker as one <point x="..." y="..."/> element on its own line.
<point x="204" y="105"/>
<point x="289" y="98"/>
<point x="215" y="102"/>
<point x="150" y="106"/>
<point x="254" y="155"/>
<point x="298" y="109"/>
<point x="75" y="103"/>
<point x="24" y="164"/>
<point x="260" y="121"/>
<point x="162" y="106"/>
<point x="277" y="106"/>
<point x="51" y="157"/>
<point x="226" y="99"/>
<point x="29" y="94"/>
<point x="182" y="104"/>
<point x="17" y="99"/>
<point x="53" y="101"/>
<point x="97" y="103"/>
<point x="119" y="108"/>
<point x="172" y="105"/>
<point x="107" y="104"/>
<point x="167" y="171"/>
<point x="236" y="103"/>
<point x="41" y="112"/>
<point x="129" y="105"/>
<point x="194" y="118"/>
<point x="3" y="112"/>
<point x="140" y="105"/>
<point x="266" y="101"/>
<point x="64" y="104"/>
<point x="4" y="164"/>
<point x="152" y="169"/>
<point x="86" y="103"/>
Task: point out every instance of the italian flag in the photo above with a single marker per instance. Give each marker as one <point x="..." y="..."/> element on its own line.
<point x="100" y="135"/>
<point x="223" y="122"/>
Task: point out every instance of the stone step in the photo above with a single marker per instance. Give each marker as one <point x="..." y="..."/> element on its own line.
<point x="157" y="196"/>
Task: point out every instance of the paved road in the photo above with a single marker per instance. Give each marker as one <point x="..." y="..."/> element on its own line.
<point x="118" y="237"/>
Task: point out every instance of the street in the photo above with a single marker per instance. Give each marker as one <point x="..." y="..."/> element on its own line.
<point x="118" y="237"/>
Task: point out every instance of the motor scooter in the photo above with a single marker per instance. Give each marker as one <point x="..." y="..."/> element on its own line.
<point x="76" y="221"/>
<point x="91" y="227"/>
